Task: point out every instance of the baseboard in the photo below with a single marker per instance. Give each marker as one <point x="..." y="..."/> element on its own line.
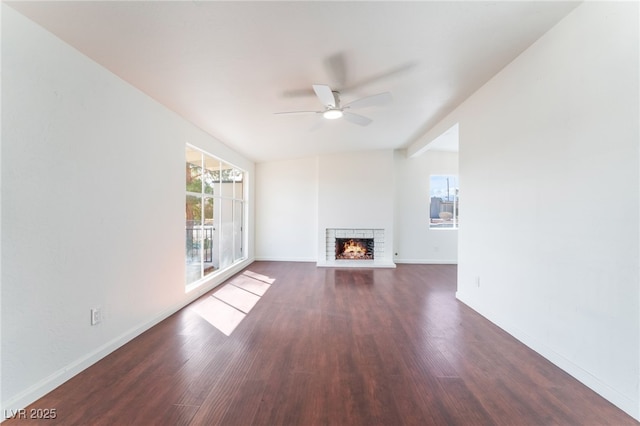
<point x="626" y="404"/>
<point x="355" y="264"/>
<point x="49" y="383"/>
<point x="428" y="261"/>
<point x="388" y="264"/>
<point x="286" y="259"/>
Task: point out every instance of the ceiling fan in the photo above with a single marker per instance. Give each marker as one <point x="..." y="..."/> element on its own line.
<point x="333" y="109"/>
<point x="337" y="69"/>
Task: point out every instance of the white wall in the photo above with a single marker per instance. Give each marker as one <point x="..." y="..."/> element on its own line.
<point x="92" y="210"/>
<point x="299" y="199"/>
<point x="414" y="241"/>
<point x="287" y="199"/>
<point x="356" y="190"/>
<point x="549" y="175"/>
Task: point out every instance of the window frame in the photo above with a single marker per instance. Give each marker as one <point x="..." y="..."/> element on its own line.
<point x="213" y="190"/>
<point x="439" y="223"/>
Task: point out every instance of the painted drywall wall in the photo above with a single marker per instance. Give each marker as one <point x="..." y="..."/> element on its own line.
<point x="92" y="210"/>
<point x="414" y="241"/>
<point x="549" y="171"/>
<point x="356" y="190"/>
<point x="299" y="198"/>
<point x="287" y="199"/>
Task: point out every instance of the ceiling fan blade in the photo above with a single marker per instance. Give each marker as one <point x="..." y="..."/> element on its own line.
<point x="295" y="93"/>
<point x="356" y="118"/>
<point x="336" y="68"/>
<point x="298" y="112"/>
<point x="324" y="93"/>
<point x="373" y="100"/>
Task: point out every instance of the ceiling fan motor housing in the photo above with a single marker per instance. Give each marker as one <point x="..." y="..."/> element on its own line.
<point x="336" y="97"/>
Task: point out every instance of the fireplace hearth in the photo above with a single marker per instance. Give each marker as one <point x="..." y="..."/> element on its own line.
<point x="354" y="248"/>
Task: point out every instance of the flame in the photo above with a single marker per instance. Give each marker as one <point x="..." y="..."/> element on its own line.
<point x="353" y="248"/>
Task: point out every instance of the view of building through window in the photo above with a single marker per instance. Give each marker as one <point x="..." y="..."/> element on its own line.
<point x="443" y="210"/>
<point x="214" y="215"/>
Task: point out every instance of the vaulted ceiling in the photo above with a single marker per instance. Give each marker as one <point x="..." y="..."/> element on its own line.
<point x="228" y="67"/>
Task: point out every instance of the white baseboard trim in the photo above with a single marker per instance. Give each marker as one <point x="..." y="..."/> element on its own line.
<point x="286" y="259"/>
<point x="428" y="261"/>
<point x="625" y="403"/>
<point x="49" y="383"/>
<point x="355" y="264"/>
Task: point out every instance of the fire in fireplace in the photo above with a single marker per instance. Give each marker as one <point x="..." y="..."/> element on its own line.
<point x="354" y="248"/>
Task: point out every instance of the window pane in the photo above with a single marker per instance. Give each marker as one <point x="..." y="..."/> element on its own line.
<point x="209" y="249"/>
<point x="226" y="180"/>
<point x="226" y="233"/>
<point x="212" y="175"/>
<point x="238" y="177"/>
<point x="193" y="213"/>
<point x="443" y="211"/>
<point x="238" y="238"/>
<point x="193" y="170"/>
<point x="193" y="238"/>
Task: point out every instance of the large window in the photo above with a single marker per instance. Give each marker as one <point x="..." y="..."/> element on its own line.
<point x="444" y="204"/>
<point x="214" y="215"/>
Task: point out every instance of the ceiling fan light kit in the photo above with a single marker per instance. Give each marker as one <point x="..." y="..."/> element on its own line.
<point x="332" y="109"/>
<point x="332" y="114"/>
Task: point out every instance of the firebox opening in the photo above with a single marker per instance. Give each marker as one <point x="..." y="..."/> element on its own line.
<point x="354" y="248"/>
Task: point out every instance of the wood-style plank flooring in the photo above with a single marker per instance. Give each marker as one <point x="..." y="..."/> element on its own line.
<point x="330" y="346"/>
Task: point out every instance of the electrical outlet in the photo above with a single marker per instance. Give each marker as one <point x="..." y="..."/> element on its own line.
<point x="478" y="281"/>
<point x="96" y="316"/>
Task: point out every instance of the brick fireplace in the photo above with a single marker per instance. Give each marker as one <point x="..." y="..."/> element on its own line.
<point x="372" y="242"/>
<point x="355" y="248"/>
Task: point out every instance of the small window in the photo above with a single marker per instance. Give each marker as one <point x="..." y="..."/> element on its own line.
<point x="443" y="211"/>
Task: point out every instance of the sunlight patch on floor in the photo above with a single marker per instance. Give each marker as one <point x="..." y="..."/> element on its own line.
<point x="259" y="277"/>
<point x="237" y="297"/>
<point x="220" y="315"/>
<point x="226" y="308"/>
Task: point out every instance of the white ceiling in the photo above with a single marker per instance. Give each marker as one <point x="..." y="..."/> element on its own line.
<point x="228" y="66"/>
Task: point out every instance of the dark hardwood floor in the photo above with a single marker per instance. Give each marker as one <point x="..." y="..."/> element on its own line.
<point x="331" y="347"/>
